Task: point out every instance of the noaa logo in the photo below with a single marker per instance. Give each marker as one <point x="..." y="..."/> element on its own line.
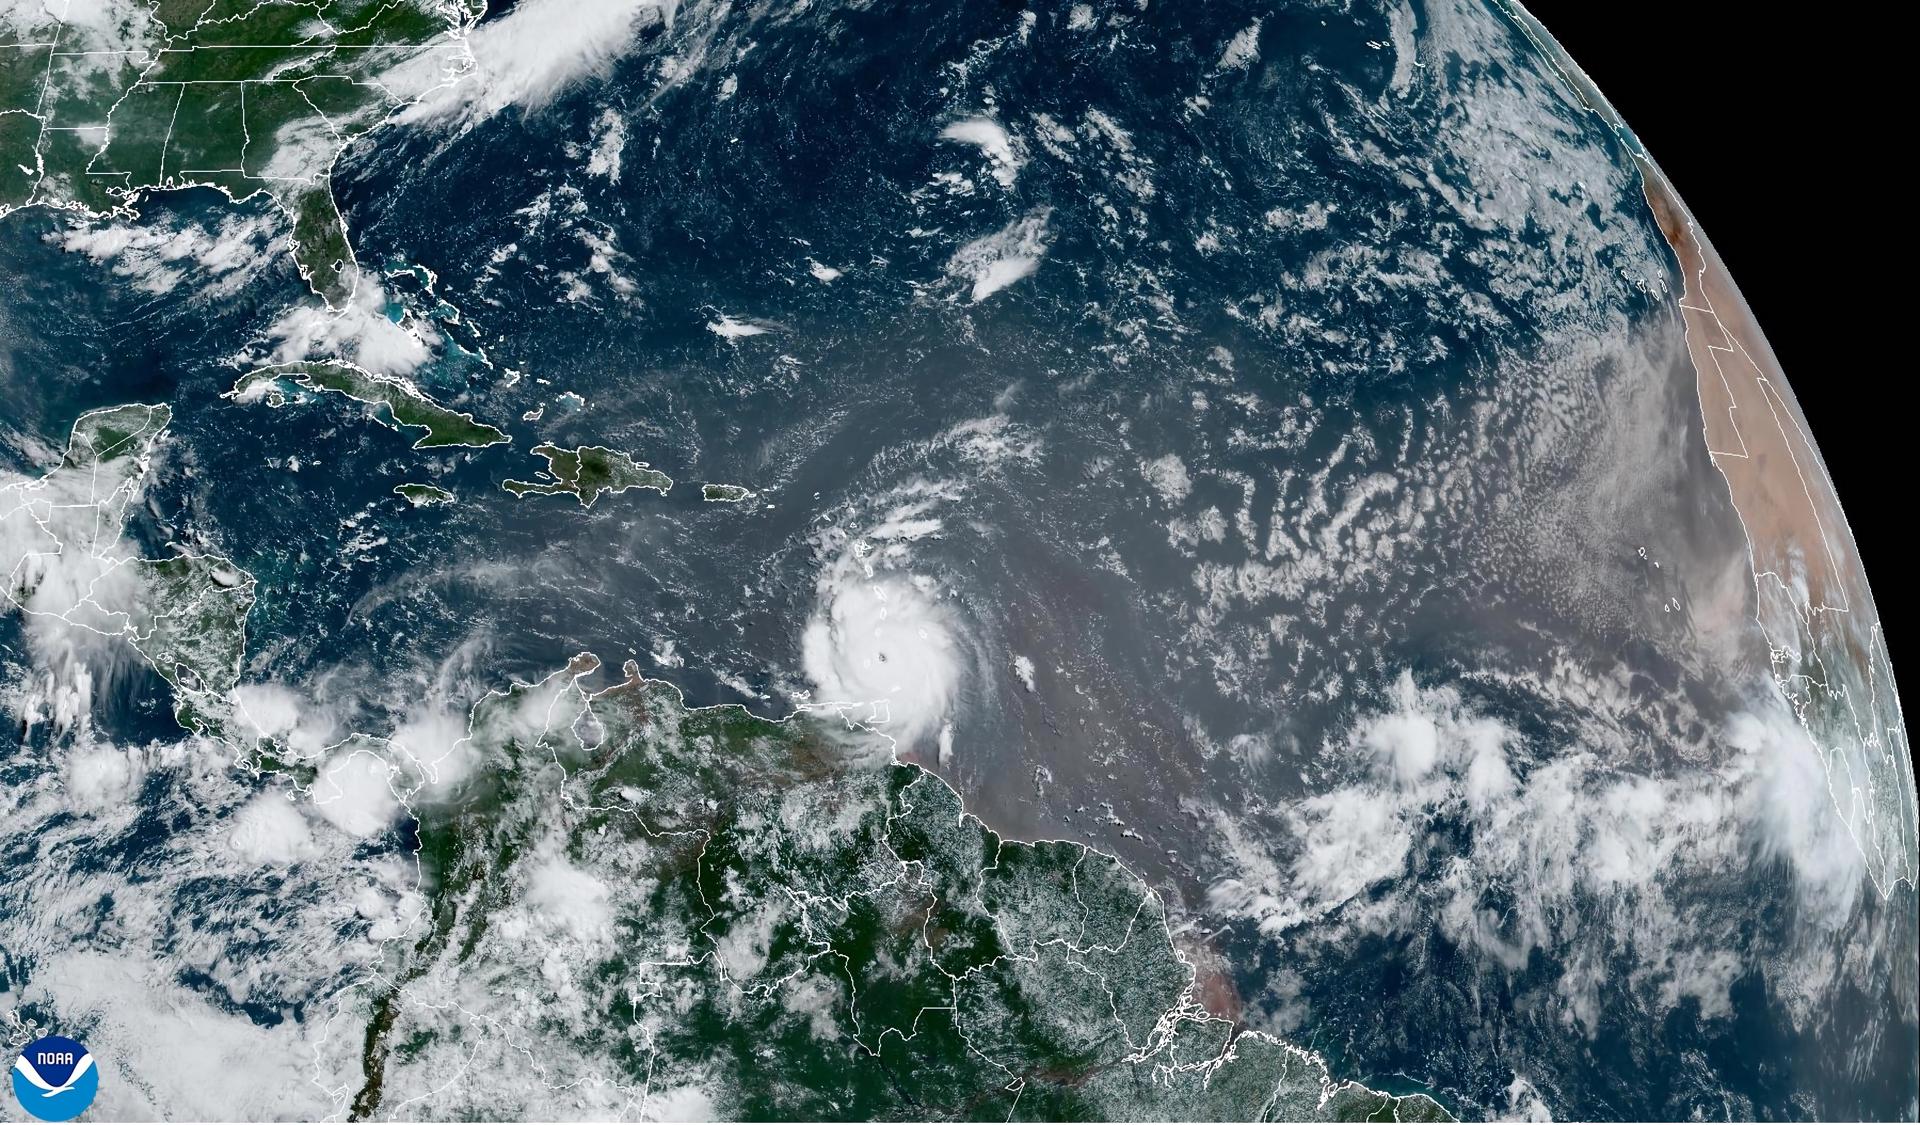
<point x="55" y="1079"/>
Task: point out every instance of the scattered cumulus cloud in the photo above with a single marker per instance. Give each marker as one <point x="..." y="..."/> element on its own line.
<point x="992" y="140"/>
<point x="732" y="328"/>
<point x="609" y="146"/>
<point x="1168" y="476"/>
<point x="1243" y="50"/>
<point x="217" y="261"/>
<point x="1447" y="810"/>
<point x="1000" y="259"/>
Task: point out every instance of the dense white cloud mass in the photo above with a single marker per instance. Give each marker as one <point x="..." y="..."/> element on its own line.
<point x="360" y="332"/>
<point x="1002" y="258"/>
<point x="527" y="56"/>
<point x="992" y="140"/>
<point x="881" y="636"/>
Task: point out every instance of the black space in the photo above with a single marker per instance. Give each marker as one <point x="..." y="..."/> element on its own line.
<point x="1779" y="139"/>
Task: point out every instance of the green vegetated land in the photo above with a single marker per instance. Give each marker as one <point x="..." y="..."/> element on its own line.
<point x="423" y="495"/>
<point x="735" y="917"/>
<point x="192" y="623"/>
<point x="724" y="493"/>
<point x="246" y="96"/>
<point x="186" y="614"/>
<point x="588" y="472"/>
<point x="115" y="437"/>
<point x="399" y="404"/>
<point x="707" y="912"/>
